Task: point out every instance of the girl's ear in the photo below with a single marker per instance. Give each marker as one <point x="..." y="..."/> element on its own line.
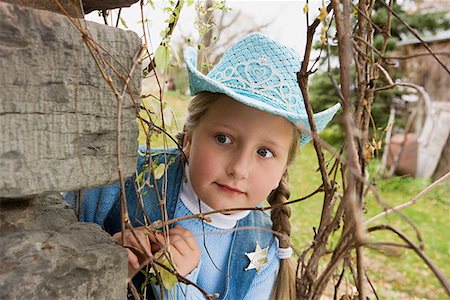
<point x="187" y="144"/>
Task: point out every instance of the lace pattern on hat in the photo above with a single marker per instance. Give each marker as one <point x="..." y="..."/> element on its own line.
<point x="259" y="77"/>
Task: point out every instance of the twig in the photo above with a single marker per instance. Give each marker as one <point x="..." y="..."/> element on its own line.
<point x="439" y="275"/>
<point x="420" y="89"/>
<point x="397" y="156"/>
<point x="79" y="204"/>
<point x="368" y="45"/>
<point x="377" y="245"/>
<point x="330" y="73"/>
<point x="414" y="32"/>
<point x="151" y="65"/>
<point x="151" y="124"/>
<point x="387" y="29"/>
<point x="202" y="216"/>
<point x="336" y="286"/>
<point x="186" y="281"/>
<point x="417" y="55"/>
<point x="302" y="78"/>
<point x="118" y="17"/>
<point x="351" y="197"/>
<point x="360" y="266"/>
<point x="134" y="291"/>
<point x="345" y="244"/>
<point x="136" y="60"/>
<point x="387" y="140"/>
<point x="386" y="74"/>
<point x="412" y="201"/>
<point x="123" y="204"/>
<point x="367" y="18"/>
<point x="372" y="286"/>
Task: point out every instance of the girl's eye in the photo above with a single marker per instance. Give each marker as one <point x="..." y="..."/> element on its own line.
<point x="223" y="139"/>
<point x="265" y="153"/>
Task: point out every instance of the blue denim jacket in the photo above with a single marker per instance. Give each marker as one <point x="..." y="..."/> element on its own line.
<point x="102" y="205"/>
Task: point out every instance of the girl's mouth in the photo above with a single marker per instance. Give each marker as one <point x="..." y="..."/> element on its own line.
<point x="229" y="189"/>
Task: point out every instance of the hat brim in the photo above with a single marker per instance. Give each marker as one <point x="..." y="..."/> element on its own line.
<point x="198" y="82"/>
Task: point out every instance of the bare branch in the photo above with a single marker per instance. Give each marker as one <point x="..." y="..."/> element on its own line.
<point x="203" y="216"/>
<point x="439" y="275"/>
<point x="412" y="201"/>
<point x="169" y="31"/>
<point x="417" y="55"/>
<point x="414" y="32"/>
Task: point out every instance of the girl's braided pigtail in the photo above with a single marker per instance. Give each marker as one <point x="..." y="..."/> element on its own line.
<point x="285" y="284"/>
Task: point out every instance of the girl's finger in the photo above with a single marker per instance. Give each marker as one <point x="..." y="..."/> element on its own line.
<point x="133" y="260"/>
<point x="137" y="239"/>
<point x="188" y="237"/>
<point x="155" y="245"/>
<point x="174" y="250"/>
<point x="179" y="243"/>
<point x="161" y="241"/>
<point x="143" y="238"/>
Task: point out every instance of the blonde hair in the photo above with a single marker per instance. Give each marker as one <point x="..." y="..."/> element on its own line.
<point x="197" y="108"/>
<point x="285" y="284"/>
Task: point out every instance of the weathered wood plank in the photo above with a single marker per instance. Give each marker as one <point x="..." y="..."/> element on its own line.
<point x="71" y="7"/>
<point x="91" y="5"/>
<point x="433" y="138"/>
<point x="57" y="114"/>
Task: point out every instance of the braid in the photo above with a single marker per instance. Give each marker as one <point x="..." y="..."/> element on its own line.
<point x="280" y="215"/>
<point x="285" y="287"/>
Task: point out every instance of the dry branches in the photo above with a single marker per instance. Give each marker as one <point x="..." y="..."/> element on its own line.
<point x="356" y="50"/>
<point x="341" y="212"/>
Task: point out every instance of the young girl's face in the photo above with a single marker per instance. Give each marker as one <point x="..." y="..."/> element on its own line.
<point x="237" y="154"/>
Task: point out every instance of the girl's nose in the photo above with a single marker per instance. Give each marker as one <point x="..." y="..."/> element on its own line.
<point x="239" y="165"/>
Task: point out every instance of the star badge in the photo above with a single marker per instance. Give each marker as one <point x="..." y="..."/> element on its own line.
<point x="258" y="259"/>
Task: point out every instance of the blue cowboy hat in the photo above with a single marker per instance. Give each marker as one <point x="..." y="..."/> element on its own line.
<point x="262" y="73"/>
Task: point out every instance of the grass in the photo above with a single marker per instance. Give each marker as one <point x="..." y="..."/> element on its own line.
<point x="399" y="275"/>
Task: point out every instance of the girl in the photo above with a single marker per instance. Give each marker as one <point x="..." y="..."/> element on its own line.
<point x="242" y="131"/>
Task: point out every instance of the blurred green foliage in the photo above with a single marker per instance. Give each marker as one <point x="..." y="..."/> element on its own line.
<point x="322" y="92"/>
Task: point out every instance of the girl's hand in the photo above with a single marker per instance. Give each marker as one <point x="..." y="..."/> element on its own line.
<point x="184" y="248"/>
<point x="135" y="259"/>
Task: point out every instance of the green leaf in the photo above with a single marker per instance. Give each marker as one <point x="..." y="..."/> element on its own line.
<point x="190" y="2"/>
<point x="168" y="116"/>
<point x="141" y="153"/>
<point x="140" y="176"/>
<point x="162" y="58"/>
<point x="140" y="179"/>
<point x="167" y="278"/>
<point x="124" y="24"/>
<point x="151" y="4"/>
<point x="159" y="171"/>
